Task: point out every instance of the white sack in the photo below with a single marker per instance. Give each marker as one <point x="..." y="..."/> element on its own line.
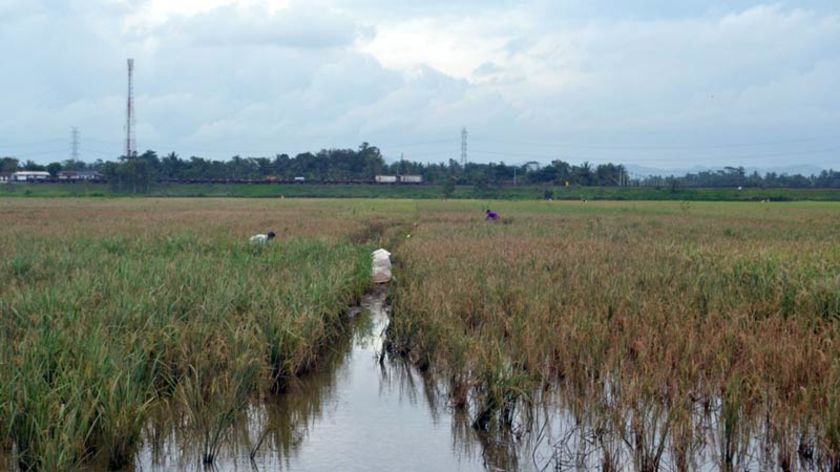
<point x="381" y="266"/>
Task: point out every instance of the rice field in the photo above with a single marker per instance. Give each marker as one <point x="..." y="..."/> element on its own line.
<point x="111" y="310"/>
<point x="667" y="332"/>
<point x="672" y="334"/>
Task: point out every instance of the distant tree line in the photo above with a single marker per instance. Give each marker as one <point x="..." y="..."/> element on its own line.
<point x="738" y="177"/>
<point x="138" y="172"/>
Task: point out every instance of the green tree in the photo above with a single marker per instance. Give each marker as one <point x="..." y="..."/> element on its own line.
<point x="31" y="165"/>
<point x="8" y="164"/>
<point x="71" y="164"/>
<point x="152" y="163"/>
<point x="54" y="168"/>
<point x="583" y="174"/>
<point x="562" y="172"/>
<point x="132" y="175"/>
<point x="373" y="161"/>
<point x="171" y="166"/>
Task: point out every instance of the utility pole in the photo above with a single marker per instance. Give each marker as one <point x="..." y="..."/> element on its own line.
<point x="130" y="141"/>
<point x="74" y="144"/>
<point x="464" y="147"/>
<point x="514" y="176"/>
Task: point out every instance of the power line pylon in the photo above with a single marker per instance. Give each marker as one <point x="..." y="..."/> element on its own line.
<point x="74" y="144"/>
<point x="464" y="146"/>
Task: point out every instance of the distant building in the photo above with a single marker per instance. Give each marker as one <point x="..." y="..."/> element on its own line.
<point x="80" y="175"/>
<point x="386" y="179"/>
<point x="411" y="179"/>
<point x="30" y="176"/>
<point x="5" y="177"/>
<point x="300" y="179"/>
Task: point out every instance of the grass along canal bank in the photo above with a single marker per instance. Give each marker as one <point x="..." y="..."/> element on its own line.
<point x="125" y="309"/>
<point x="613" y="335"/>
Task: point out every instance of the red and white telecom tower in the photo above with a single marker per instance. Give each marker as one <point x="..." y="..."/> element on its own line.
<point x="130" y="141"/>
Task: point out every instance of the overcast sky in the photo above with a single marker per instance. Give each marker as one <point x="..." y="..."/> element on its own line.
<point x="660" y="83"/>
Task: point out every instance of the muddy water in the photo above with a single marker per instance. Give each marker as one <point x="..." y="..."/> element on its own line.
<point x="354" y="413"/>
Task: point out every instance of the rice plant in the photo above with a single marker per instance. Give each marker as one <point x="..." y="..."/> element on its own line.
<point x="111" y="310"/>
<point x="658" y="319"/>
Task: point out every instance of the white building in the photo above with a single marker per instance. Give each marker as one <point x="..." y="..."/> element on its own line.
<point x="386" y="179"/>
<point x="30" y="176"/>
<point x="411" y="179"/>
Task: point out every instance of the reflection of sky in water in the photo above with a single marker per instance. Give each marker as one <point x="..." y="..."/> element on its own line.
<point x="373" y="424"/>
<point x="360" y="416"/>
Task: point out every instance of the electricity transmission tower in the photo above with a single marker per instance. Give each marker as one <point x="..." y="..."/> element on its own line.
<point x="464" y="146"/>
<point x="130" y="141"/>
<point x="74" y="144"/>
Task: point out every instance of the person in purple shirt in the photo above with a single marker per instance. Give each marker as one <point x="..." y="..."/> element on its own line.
<point x="492" y="216"/>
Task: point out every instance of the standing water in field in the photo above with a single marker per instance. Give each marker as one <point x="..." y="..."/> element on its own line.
<point x="361" y="410"/>
<point x="354" y="412"/>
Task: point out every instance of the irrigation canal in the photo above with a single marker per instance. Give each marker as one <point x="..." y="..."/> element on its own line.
<point x="353" y="413"/>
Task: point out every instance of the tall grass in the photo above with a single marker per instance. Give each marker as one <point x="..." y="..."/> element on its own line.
<point x="666" y="332"/>
<point x="131" y="307"/>
<point x="660" y="318"/>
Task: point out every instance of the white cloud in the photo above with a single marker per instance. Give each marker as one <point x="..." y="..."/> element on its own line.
<point x="455" y="46"/>
<point x="541" y="78"/>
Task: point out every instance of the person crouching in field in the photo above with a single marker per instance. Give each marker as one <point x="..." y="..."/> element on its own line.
<point x="492" y="216"/>
<point x="261" y="239"/>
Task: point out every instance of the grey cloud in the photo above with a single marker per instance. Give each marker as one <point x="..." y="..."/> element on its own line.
<point x="573" y="75"/>
<point x="297" y="28"/>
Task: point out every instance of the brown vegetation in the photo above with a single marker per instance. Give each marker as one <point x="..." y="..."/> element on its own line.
<point x="671" y="329"/>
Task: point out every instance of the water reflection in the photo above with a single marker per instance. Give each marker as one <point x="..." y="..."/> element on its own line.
<point x="356" y="411"/>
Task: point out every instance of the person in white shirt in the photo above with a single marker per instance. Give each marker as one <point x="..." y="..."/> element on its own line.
<point x="262" y="238"/>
